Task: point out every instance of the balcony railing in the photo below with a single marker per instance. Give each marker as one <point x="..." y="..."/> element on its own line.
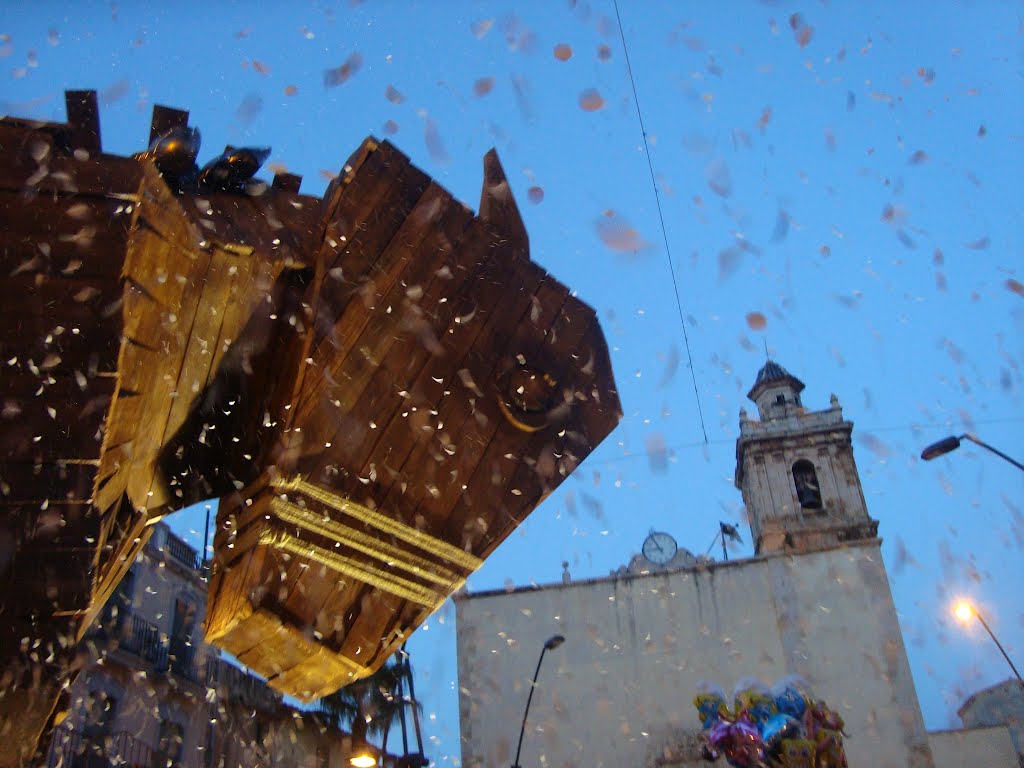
<point x="92" y="749"/>
<point x="143" y="639"/>
<point x="182" y="552"/>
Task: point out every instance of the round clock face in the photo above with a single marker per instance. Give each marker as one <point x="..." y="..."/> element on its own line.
<point x="659" y="548"/>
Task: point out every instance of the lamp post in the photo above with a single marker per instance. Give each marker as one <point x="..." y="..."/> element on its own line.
<point x="549" y="645"/>
<point x="951" y="443"/>
<point x="964" y="611"/>
<point x="362" y="753"/>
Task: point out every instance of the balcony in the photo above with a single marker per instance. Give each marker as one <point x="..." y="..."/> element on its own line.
<point x="144" y="641"/>
<point x="95" y="749"/>
<point x="182" y="552"/>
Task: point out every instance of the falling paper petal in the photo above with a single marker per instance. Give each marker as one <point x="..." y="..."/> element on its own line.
<point x="535" y="195"/>
<point x="563" y="52"/>
<point x="657" y="453"/>
<point x="616" y="233"/>
<point x="756" y="321"/>
<point x="483" y="86"/>
<point x="481" y="28"/>
<point x="291" y="90"/>
<point x="393" y="95"/>
<point x="591" y="100"/>
<point x="249" y="108"/>
<point x="434" y="144"/>
<point x="115" y="92"/>
<point x="339" y="75"/>
<point x="719" y="178"/>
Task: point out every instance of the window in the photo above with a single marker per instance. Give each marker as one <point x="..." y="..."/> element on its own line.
<point x="808" y="492"/>
<point x="780" y="399"/>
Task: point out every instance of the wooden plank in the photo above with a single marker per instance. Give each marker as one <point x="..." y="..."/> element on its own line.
<point x="83" y="112"/>
<point x="429" y="467"/>
<point x="432" y="252"/>
<point x="492" y="496"/>
<point x="58" y="481"/>
<point x="403" y="354"/>
<point x="357" y="201"/>
<point x="402" y="265"/>
<point x="164" y="119"/>
<point x="202" y="340"/>
<point x="81" y="346"/>
<point x="99" y="176"/>
<point x="71" y="429"/>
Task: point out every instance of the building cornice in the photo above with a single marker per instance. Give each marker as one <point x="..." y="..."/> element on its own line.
<point x="466" y="594"/>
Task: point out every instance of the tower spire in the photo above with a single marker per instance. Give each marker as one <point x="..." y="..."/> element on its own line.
<point x="796" y="470"/>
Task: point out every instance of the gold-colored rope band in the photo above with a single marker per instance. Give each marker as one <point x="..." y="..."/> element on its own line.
<point x="362" y="542"/>
<point x="424" y="541"/>
<point x="376" y="577"/>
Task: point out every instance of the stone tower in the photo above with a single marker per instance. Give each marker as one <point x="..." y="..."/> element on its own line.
<point x="796" y="470"/>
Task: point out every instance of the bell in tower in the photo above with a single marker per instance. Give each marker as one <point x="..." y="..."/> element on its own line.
<point x="796" y="470"/>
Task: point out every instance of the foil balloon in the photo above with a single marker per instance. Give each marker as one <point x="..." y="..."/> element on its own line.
<point x="778" y="727"/>
<point x="797" y="753"/>
<point x="233" y="168"/>
<point x="174" y="152"/>
<point x="711" y="708"/>
<point x="754" y="698"/>
<point x="739" y="740"/>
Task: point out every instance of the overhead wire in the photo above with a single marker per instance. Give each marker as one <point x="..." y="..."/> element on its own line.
<point x="661" y="219"/>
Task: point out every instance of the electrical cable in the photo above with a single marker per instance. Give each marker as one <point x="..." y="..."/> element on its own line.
<point x="661" y="218"/>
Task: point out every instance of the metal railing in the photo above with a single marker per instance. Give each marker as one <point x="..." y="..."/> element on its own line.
<point x="163" y="655"/>
<point x="182" y="552"/>
<point x="96" y="749"/>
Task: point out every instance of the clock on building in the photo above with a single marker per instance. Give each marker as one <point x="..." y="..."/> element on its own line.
<point x="659" y="548"/>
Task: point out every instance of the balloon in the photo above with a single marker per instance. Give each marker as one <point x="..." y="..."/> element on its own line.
<point x="739" y="741"/>
<point x="233" y="168"/>
<point x="797" y="753"/>
<point x="174" y="152"/>
<point x="779" y="727"/>
<point x="790" y="700"/>
<point x="711" y="708"/>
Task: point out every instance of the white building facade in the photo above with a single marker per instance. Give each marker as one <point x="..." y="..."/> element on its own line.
<point x="814" y="601"/>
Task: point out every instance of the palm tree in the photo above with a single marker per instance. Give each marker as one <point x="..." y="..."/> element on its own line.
<point x="379" y="700"/>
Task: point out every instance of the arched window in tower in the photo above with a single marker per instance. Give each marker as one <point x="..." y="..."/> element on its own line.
<point x="807" y="489"/>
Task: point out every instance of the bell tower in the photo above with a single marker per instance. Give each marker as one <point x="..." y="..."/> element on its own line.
<point x="796" y="470"/>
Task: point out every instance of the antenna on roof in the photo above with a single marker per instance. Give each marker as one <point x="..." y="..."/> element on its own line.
<point x="766" y="355"/>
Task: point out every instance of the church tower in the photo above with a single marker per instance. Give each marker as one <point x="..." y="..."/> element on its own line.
<point x="796" y="471"/>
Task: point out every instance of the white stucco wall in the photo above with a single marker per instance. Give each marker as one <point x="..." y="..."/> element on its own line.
<point x="973" y="748"/>
<point x="620" y="690"/>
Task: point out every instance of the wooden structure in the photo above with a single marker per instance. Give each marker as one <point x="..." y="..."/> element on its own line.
<point x="378" y="385"/>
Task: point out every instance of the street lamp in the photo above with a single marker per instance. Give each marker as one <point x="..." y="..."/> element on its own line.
<point x="362" y="754"/>
<point x="549" y="645"/>
<point x="964" y="611"/>
<point x="951" y="443"/>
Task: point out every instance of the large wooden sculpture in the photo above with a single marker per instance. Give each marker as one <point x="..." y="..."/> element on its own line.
<point x="378" y="385"/>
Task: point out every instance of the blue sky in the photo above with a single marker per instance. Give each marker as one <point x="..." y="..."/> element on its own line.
<point x="848" y="174"/>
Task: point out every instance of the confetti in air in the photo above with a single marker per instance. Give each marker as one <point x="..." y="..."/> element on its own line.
<point x="591" y="100"/>
<point x="340" y="75"/>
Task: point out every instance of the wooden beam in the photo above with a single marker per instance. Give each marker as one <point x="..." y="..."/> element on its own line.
<point x="164" y="119"/>
<point x="84" y="120"/>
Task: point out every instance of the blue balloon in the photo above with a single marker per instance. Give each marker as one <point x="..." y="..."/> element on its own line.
<point x="779" y="727"/>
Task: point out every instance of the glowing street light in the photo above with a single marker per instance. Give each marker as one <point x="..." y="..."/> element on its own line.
<point x="362" y="754"/>
<point x="951" y="443"/>
<point x="964" y="611"/>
